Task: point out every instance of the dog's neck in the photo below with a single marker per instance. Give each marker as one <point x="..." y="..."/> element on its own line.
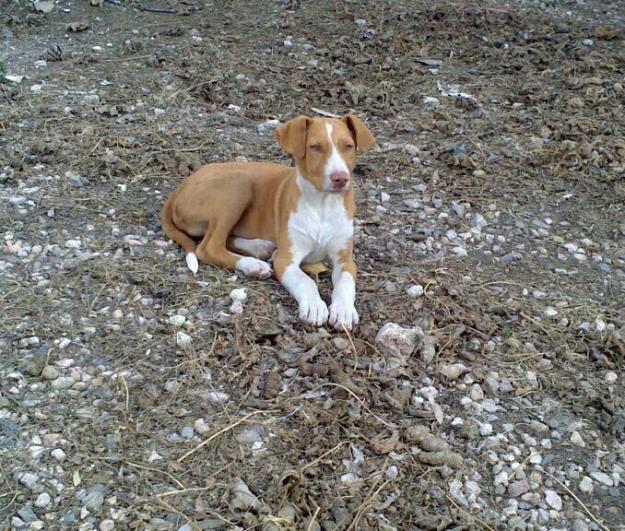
<point x="314" y="197"/>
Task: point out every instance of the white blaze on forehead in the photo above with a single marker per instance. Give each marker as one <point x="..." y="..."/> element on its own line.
<point x="335" y="161"/>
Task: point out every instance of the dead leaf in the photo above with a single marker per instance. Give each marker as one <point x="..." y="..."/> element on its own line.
<point x="315" y="268"/>
<point x="76" y="478"/>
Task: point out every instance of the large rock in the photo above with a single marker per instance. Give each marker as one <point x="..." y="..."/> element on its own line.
<point x="397" y="341"/>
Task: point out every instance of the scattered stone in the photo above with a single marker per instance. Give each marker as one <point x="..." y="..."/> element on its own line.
<point x="49" y="373"/>
<point x="107" y="525"/>
<point x="396" y="340"/>
<point x="553" y="499"/>
<point x="267" y="126"/>
<point x="43" y="500"/>
<point x="416" y="290"/>
<point x="183" y="339"/>
<point x="177" y="320"/>
<point x="586" y="485"/>
<point x="577" y="440"/>
<point x="241" y="497"/>
<point x="28" y="479"/>
<point x="58" y="454"/>
<point x="518" y="488"/>
<point x="602" y="477"/>
<point x="201" y="426"/>
<point x="239" y="294"/>
<point x="453" y="371"/>
<point x="63" y="382"/>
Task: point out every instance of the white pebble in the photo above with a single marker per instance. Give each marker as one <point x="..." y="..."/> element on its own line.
<point x="43" y="500"/>
<point x="416" y="290"/>
<point x="610" y="377"/>
<point x="486" y="429"/>
<point x="553" y="499"/>
<point x="183" y="339"/>
<point x="177" y="320"/>
<point x="550" y="311"/>
<point x="239" y="294"/>
<point x="58" y="454"/>
<point x="577" y="439"/>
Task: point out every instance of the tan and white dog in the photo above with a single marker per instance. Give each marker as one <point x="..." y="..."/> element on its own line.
<point x="243" y="213"/>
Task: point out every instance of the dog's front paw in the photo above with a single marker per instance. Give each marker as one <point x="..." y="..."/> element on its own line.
<point x="343" y="315"/>
<point x="252" y="267"/>
<point x="314" y="311"/>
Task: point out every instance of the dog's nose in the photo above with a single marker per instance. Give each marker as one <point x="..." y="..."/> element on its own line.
<point x="339" y="179"/>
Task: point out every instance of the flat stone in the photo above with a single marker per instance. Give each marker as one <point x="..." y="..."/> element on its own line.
<point x="518" y="488"/>
<point x="602" y="477"/>
<point x="553" y="499"/>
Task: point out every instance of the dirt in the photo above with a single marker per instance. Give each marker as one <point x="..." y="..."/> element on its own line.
<point x="497" y="185"/>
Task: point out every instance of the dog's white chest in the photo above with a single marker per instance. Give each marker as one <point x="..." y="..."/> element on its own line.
<point x="318" y="228"/>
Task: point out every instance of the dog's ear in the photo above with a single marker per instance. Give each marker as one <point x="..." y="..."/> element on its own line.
<point x="292" y="136"/>
<point x="362" y="136"/>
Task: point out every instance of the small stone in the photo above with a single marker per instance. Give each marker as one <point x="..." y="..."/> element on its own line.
<point x="602" y="477"/>
<point x="183" y="339"/>
<point x="64" y="382"/>
<point x="73" y="244"/>
<point x="28" y="479"/>
<point x="239" y="294"/>
<point x="177" y="320"/>
<point x="58" y="454"/>
<point x="553" y="499"/>
<point x="267" y="126"/>
<point x="384" y="197"/>
<point x="27" y="514"/>
<point x="43" y="500"/>
<point x="187" y="432"/>
<point x="586" y="485"/>
<point x="486" y="429"/>
<point x="49" y="373"/>
<point x="107" y="525"/>
<point x="94" y="497"/>
<point x="518" y="488"/>
<point x="476" y="392"/>
<point x="536" y="458"/>
<point x="416" y="290"/>
<point x="392" y="472"/>
<point x="453" y="371"/>
<point x="340" y="343"/>
<point x="396" y="340"/>
<point x="610" y="377"/>
<point x="201" y="426"/>
<point x="577" y="440"/>
<point x="580" y="525"/>
<point x="460" y="252"/>
<point x="550" y="312"/>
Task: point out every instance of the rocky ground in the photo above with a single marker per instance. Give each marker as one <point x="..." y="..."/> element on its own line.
<point x="484" y="386"/>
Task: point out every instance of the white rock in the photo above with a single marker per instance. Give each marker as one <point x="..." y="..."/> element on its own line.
<point x="107" y="525"/>
<point x="384" y="197"/>
<point x="239" y="294"/>
<point x="29" y="479"/>
<point x="611" y="377"/>
<point x="396" y="340"/>
<point x="416" y="290"/>
<point x="217" y="397"/>
<point x="577" y="439"/>
<point x="602" y="477"/>
<point x="58" y="454"/>
<point x="536" y="458"/>
<point x="154" y="456"/>
<point x="501" y="478"/>
<point x="586" y="485"/>
<point x="236" y="308"/>
<point x="431" y="102"/>
<point x="392" y="472"/>
<point x="267" y="126"/>
<point x="43" y="500"/>
<point x="550" y="311"/>
<point x="476" y="392"/>
<point x="553" y="499"/>
<point x="49" y="373"/>
<point x="73" y="244"/>
<point x="460" y="252"/>
<point x="183" y="339"/>
<point x="600" y="324"/>
<point x="64" y="382"/>
<point x="177" y="320"/>
<point x="201" y="426"/>
<point x="486" y="429"/>
<point x="453" y="371"/>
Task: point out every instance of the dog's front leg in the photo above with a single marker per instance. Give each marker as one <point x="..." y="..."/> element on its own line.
<point x="312" y="309"/>
<point x="342" y="310"/>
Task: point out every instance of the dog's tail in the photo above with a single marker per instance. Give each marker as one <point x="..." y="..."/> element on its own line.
<point x="179" y="236"/>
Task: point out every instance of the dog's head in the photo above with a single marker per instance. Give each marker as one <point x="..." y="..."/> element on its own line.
<point x="324" y="149"/>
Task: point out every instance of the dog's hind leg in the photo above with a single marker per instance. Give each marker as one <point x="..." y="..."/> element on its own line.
<point x="258" y="248"/>
<point x="213" y="247"/>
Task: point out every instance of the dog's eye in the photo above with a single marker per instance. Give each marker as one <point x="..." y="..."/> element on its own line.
<point x="316" y="147"/>
<point x="349" y="146"/>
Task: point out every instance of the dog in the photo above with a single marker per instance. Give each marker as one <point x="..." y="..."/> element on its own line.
<point x="237" y="215"/>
